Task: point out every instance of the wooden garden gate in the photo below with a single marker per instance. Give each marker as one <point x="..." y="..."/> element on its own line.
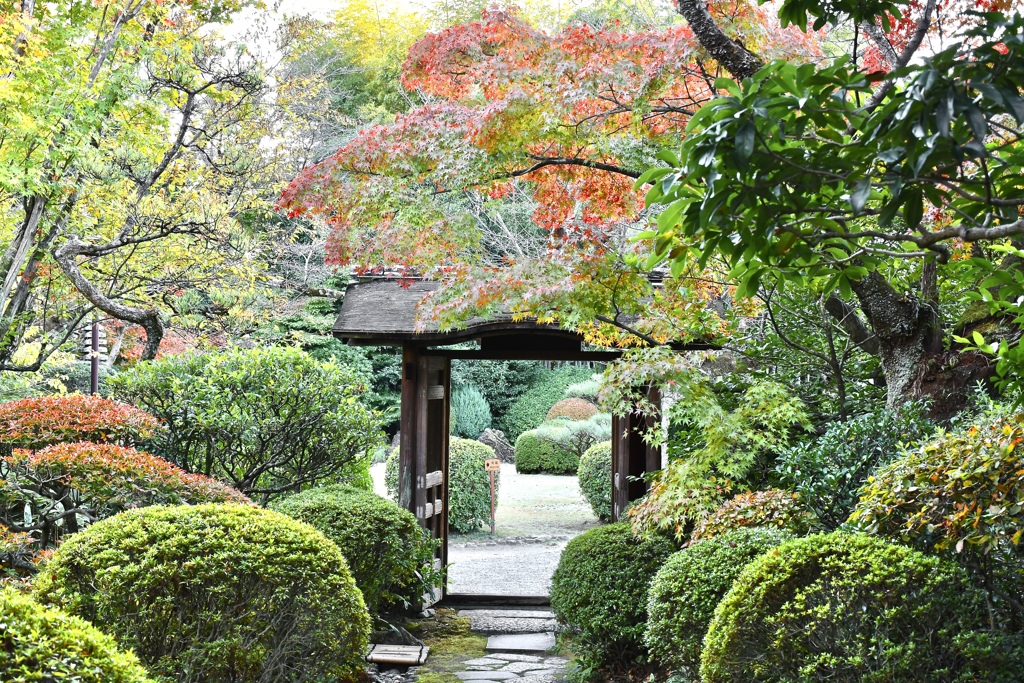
<point x="383" y="313"/>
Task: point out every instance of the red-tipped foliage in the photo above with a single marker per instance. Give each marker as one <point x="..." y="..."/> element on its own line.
<point x="39" y="422"/>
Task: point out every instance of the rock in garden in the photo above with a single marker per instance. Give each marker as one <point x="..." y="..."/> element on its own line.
<point x="495" y="438"/>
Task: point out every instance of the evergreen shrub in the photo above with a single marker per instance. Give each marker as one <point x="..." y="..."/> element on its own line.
<point x="960" y="495"/>
<point x="42" y="645"/>
<point x="600" y="590"/>
<point x="530" y="410"/>
<point x="771" y="508"/>
<point x="844" y="607"/>
<point x="595" y="478"/>
<point x="388" y="552"/>
<point x="536" y="454"/>
<point x="39" y="422"/>
<point x="214" y="593"/>
<point x="469" y="484"/>
<point x="688" y="588"/>
<point x="572" y="409"/>
<point x="470" y="413"/>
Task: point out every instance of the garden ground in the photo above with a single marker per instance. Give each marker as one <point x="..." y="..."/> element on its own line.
<point x="537" y="515"/>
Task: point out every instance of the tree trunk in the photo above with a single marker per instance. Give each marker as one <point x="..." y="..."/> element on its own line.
<point x="914" y="361"/>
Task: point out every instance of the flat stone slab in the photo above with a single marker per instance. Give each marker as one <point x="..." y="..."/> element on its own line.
<point x="513" y="657"/>
<point x="541" y="677"/>
<point x="523" y="667"/>
<point x="485" y="661"/>
<point x="485" y="675"/>
<point x="497" y="625"/>
<point x="508" y="613"/>
<point x="524" y="643"/>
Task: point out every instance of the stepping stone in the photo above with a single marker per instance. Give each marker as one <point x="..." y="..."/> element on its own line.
<point x="523" y="667"/>
<point x="511" y="657"/>
<point x="541" y="677"/>
<point x="508" y="613"/>
<point x="485" y="661"/>
<point x="485" y="675"/>
<point x="398" y="654"/>
<point x="523" y="643"/>
<point x="498" y="625"/>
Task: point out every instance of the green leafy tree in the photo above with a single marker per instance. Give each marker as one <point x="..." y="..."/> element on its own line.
<point x="267" y="421"/>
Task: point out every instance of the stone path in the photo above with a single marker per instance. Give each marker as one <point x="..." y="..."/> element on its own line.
<point x="518" y="649"/>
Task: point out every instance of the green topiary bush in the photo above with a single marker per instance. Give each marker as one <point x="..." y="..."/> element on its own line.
<point x="530" y="409"/>
<point x="595" y="478"/>
<point x="536" y="454"/>
<point x="389" y="554"/>
<point x="843" y="607"/>
<point x="960" y="495"/>
<point x="470" y="413"/>
<point x="214" y="593"/>
<point x="469" y="484"/>
<point x="689" y="586"/>
<point x="40" y="645"/>
<point x="771" y="508"/>
<point x="572" y="409"/>
<point x="600" y="590"/>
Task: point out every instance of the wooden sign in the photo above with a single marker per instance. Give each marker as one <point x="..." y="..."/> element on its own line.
<point x="492" y="465"/>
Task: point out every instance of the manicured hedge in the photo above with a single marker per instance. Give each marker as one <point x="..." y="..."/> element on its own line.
<point x="688" y="588"/>
<point x="536" y="454"/>
<point x="39" y="422"/>
<point x="843" y="607"/>
<point x="530" y="409"/>
<point x="214" y="593"/>
<point x="42" y="645"/>
<point x="389" y="553"/>
<point x="595" y="478"/>
<point x="771" y="508"/>
<point x="960" y="495"/>
<point x="600" y="590"/>
<point x="572" y="409"/>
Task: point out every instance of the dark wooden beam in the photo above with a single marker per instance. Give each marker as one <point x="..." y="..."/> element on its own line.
<point x="473" y="354"/>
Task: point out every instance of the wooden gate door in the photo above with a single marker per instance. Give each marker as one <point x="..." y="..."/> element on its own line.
<point x="632" y="458"/>
<point x="423" y="449"/>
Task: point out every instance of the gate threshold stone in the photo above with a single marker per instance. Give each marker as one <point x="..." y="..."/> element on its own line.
<point x="526" y="643"/>
<point x="496" y="625"/>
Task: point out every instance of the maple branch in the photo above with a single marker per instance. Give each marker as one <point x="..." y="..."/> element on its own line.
<point x="573" y="161"/>
<point x="737" y="59"/>
<point x="852" y="324"/>
<point x="924" y="22"/>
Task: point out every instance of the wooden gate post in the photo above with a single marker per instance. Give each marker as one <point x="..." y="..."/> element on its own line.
<point x="632" y="457"/>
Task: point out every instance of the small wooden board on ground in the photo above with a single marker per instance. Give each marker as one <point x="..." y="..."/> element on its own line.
<point x="407" y="655"/>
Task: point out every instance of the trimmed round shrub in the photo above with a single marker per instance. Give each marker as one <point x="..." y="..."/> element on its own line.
<point x="595" y="478"/>
<point x="771" y="508"/>
<point x="469" y="484"/>
<point x="530" y="409"/>
<point x="536" y="454"/>
<point x="961" y="495"/>
<point x="470" y="413"/>
<point x="388" y="552"/>
<point x="572" y="409"/>
<point x="600" y="590"/>
<point x="214" y="593"/>
<point x="689" y="586"/>
<point x="41" y="644"/>
<point x="843" y="607"/>
<point x="39" y="422"/>
<point x="63" y="487"/>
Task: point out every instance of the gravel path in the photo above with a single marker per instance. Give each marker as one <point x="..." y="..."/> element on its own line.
<point x="537" y="515"/>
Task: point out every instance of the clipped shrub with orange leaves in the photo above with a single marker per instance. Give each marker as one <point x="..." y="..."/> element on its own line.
<point x="43" y="421"/>
<point x="572" y="408"/>
<point x="61" y="488"/>
<point x="771" y="508"/>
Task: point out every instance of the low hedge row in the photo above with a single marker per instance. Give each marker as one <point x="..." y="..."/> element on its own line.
<point x="595" y="478"/>
<point x="536" y="454"/>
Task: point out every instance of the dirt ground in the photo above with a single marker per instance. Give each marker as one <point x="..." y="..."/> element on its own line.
<point x="537" y="515"/>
